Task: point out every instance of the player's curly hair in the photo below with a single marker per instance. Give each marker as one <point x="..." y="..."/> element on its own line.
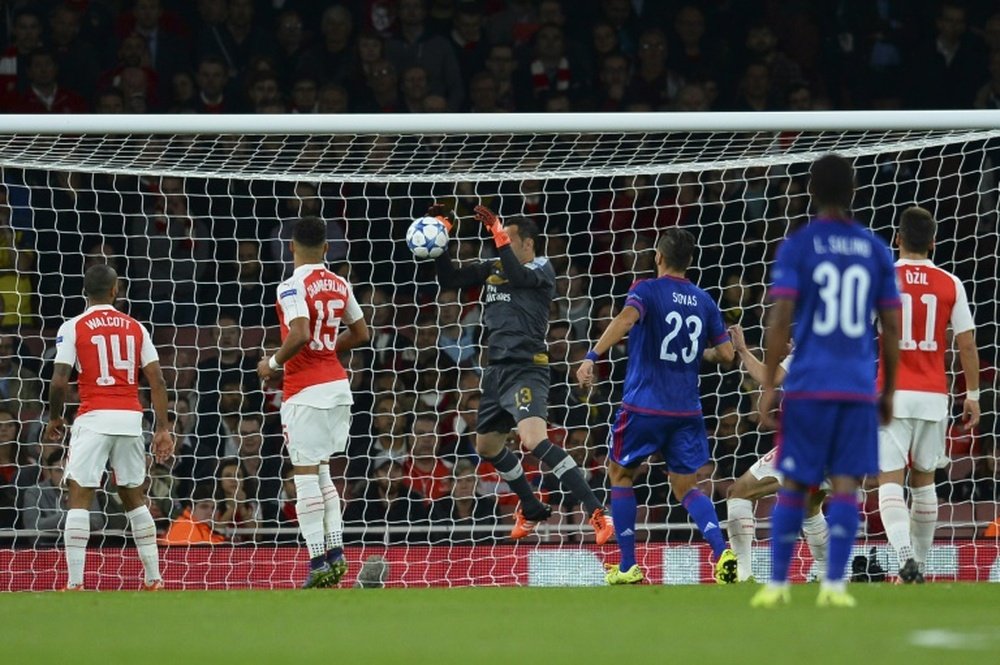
<point x="676" y="246"/>
<point x="310" y="232"/>
<point x="831" y="182"/>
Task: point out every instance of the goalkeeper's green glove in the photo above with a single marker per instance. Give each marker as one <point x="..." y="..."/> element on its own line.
<point x="493" y="225"/>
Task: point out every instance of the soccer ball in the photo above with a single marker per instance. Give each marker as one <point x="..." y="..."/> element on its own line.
<point x="427" y="237"/>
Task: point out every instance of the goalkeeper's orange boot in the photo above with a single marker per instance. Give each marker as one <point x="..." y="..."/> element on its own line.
<point x="603" y="527"/>
<point x="155" y="585"/>
<point x="524" y="526"/>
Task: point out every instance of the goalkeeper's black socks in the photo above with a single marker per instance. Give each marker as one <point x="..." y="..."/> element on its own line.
<point x="569" y="474"/>
<point x="509" y="468"/>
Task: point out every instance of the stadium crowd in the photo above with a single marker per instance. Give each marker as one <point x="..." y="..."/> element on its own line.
<point x="202" y="256"/>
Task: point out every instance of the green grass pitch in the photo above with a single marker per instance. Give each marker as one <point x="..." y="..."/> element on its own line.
<point x="934" y="623"/>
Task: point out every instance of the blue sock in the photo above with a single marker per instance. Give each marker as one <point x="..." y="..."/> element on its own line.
<point x="623" y="515"/>
<point x="842" y="516"/>
<point x="703" y="511"/>
<point x="786" y="521"/>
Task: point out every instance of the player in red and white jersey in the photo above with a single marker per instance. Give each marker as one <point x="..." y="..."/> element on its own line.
<point x="763" y="479"/>
<point x="932" y="299"/>
<point x="108" y="348"/>
<point x="316" y="400"/>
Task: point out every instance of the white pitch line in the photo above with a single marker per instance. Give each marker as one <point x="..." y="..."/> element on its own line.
<point x="940" y="638"/>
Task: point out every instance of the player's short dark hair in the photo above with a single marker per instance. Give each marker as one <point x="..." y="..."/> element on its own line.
<point x="310" y="232"/>
<point x="525" y="228"/>
<point x="676" y="246"/>
<point x="831" y="182"/>
<point x="917" y="229"/>
<point x="99" y="280"/>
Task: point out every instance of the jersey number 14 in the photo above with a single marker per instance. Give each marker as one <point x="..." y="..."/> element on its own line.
<point x="115" y="359"/>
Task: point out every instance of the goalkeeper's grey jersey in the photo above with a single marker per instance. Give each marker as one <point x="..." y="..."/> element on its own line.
<point x="516" y="299"/>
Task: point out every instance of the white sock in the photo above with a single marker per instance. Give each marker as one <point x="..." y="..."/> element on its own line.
<point x="75" y="537"/>
<point x="144" y="534"/>
<point x="923" y="521"/>
<point x="896" y="519"/>
<point x="333" y="521"/>
<point x="817" y="533"/>
<point x="309" y="509"/>
<point x="741" y="532"/>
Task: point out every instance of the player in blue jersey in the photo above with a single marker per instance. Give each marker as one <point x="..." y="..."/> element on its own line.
<point x="830" y="278"/>
<point x="672" y="325"/>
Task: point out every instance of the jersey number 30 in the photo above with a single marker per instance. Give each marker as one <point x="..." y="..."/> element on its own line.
<point x="689" y="352"/>
<point x="845" y="298"/>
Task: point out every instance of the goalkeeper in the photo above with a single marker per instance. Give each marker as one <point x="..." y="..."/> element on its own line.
<point x="518" y="289"/>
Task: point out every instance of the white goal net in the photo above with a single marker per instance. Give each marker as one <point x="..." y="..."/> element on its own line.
<point x="195" y="213"/>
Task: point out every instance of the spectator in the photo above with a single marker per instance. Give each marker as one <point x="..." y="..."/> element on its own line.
<point x="196" y="523"/>
<point x="466" y="35"/>
<point x="290" y="46"/>
<point x="260" y="462"/>
<point x="483" y="94"/>
<point x="473" y="517"/>
<point x="168" y="50"/>
<point x="246" y="293"/>
<point x="182" y="421"/>
<point x="331" y="60"/>
<point x="414" y="89"/>
<point x="501" y="64"/>
<point x="424" y="472"/>
<point x="516" y="23"/>
<point x="388" y="509"/>
<point x="455" y="340"/>
<point x="133" y="53"/>
<point x="287" y="515"/>
<point x="166" y="230"/>
<point x="16" y="471"/>
<point x="988" y="96"/>
<point x="693" y="59"/>
<point x="17" y="263"/>
<point x="26" y="38"/>
<point x="17" y="382"/>
<point x="44" y="94"/>
<point x="549" y="71"/>
<point x="333" y="98"/>
<point x="382" y="94"/>
<point x="613" y="84"/>
<point x="237" y="40"/>
<point x="603" y="42"/>
<point x="762" y="46"/>
<point x="134" y="83"/>
<point x="418" y="46"/>
<point x="109" y="101"/>
<point x="369" y="50"/>
<point x="45" y="503"/>
<point x="304" y="96"/>
<point x="754" y="89"/>
<point x="212" y="79"/>
<point x="76" y="58"/>
<point x="238" y="514"/>
<point x="305" y="202"/>
<point x="263" y="90"/>
<point x="946" y="73"/>
<point x="653" y="82"/>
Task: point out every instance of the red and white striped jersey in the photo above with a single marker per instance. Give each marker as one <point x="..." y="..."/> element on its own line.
<point x="108" y="348"/>
<point x="931" y="299"/>
<point x="314" y="376"/>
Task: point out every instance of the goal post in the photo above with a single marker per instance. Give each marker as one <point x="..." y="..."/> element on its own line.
<point x="194" y="212"/>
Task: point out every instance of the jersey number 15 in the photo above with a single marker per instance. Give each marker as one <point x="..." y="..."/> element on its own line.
<point x="327" y="321"/>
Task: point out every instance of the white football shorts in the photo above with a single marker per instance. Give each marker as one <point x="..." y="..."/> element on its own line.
<point x="90" y="452"/>
<point x="919" y="443"/>
<point x="314" y="435"/>
<point x="766" y="467"/>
